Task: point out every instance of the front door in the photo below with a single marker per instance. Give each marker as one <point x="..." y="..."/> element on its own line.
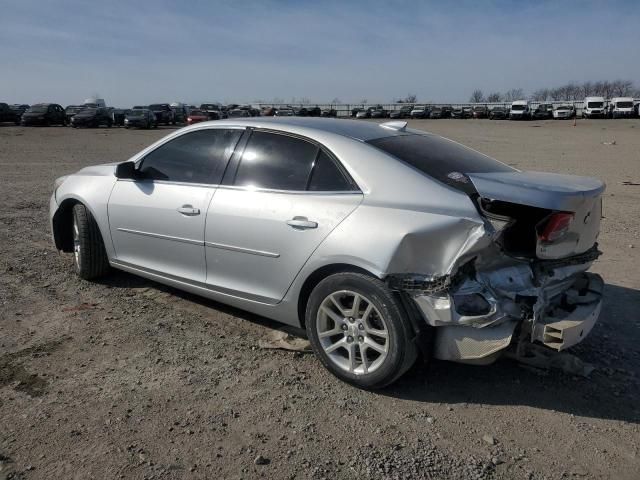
<point x="157" y="222"/>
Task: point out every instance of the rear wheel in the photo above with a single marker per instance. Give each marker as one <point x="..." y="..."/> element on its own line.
<point x="359" y="330"/>
<point x="88" y="248"/>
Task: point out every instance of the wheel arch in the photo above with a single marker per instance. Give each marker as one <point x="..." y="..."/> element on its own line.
<point x="317" y="276"/>
<point x="62" y="221"/>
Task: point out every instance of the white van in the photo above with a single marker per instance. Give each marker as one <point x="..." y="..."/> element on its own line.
<point x="520" y="110"/>
<point x="594" y="107"/>
<point x="620" y="107"/>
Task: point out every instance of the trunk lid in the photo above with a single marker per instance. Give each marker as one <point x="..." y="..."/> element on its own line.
<point x="580" y="196"/>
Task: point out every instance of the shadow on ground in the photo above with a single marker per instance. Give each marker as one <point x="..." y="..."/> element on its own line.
<point x="608" y="393"/>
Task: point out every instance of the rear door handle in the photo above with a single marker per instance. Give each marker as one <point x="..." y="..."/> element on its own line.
<point x="188" y="210"/>
<point x="302" y="223"/>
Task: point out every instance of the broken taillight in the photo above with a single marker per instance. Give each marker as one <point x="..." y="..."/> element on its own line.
<point x="555" y="227"/>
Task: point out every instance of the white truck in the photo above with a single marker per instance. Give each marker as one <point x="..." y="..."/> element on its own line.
<point x="594" y="107"/>
<point x="620" y="107"/>
<point x="520" y="110"/>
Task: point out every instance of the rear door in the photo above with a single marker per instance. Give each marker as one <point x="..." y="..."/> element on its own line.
<point x="281" y="197"/>
<point x="157" y="222"/>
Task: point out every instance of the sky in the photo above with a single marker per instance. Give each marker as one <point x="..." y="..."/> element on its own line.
<point x="140" y="52"/>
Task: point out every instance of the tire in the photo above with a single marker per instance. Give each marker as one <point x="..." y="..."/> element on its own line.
<point x="90" y="257"/>
<point x="353" y="330"/>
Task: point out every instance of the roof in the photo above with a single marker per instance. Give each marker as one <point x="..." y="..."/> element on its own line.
<point x="356" y="129"/>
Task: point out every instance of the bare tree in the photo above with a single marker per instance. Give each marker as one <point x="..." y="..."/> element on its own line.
<point x="411" y="98"/>
<point x="622" y="88"/>
<point x="364" y="101"/>
<point x="336" y="101"/>
<point x="540" y="95"/>
<point x="477" y="96"/>
<point x="513" y="94"/>
<point x="494" y="97"/>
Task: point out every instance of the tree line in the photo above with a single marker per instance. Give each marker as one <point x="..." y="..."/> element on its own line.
<point x="571" y="91"/>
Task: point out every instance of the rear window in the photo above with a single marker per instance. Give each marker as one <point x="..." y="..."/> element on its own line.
<point x="439" y="158"/>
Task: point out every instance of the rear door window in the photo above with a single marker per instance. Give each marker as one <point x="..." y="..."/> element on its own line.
<point x="196" y="157"/>
<point x="328" y="177"/>
<point x="276" y="161"/>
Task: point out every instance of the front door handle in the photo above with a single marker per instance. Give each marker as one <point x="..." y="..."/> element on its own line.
<point x="302" y="223"/>
<point x="188" y="210"/>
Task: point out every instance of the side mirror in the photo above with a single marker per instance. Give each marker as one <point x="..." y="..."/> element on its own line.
<point x="126" y="170"/>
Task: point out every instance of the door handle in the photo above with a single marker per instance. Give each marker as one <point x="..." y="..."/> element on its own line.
<point x="302" y="223"/>
<point x="188" y="210"/>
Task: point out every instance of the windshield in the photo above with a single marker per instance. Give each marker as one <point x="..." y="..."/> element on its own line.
<point x="564" y="107"/>
<point x="624" y="104"/>
<point x="38" y="109"/>
<point x="209" y="106"/>
<point x="157" y="106"/>
<point x="517" y="107"/>
<point x="198" y="112"/>
<point x="595" y="104"/>
<point x="439" y="158"/>
<point x="89" y="110"/>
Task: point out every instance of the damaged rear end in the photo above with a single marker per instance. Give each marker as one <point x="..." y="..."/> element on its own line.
<point x="525" y="278"/>
<point x="531" y="281"/>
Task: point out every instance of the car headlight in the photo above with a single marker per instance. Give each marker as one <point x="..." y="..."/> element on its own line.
<point x="126" y="120"/>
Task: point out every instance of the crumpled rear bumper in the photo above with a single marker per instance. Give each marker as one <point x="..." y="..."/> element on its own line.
<point x="565" y="312"/>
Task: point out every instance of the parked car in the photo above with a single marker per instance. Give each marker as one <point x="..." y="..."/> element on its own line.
<point x="267" y="112"/>
<point x="403" y="112"/>
<point x="329" y="112"/>
<point x="197" y="116"/>
<point x="461" y="112"/>
<point x="180" y="112"/>
<point x="364" y="113"/>
<point x="238" y="113"/>
<point x="379" y="113"/>
<point x="468" y="241"/>
<point x="564" y="112"/>
<point x="92" y="117"/>
<point x="163" y="112"/>
<point x="520" y="110"/>
<point x="214" y="110"/>
<point x="7" y="114"/>
<point x="436" y="112"/>
<point x="480" y="111"/>
<point x="141" y="118"/>
<point x="446" y="111"/>
<point x="621" y="107"/>
<point x="314" y="111"/>
<point x="300" y="111"/>
<point x="71" y="110"/>
<point x="118" y="115"/>
<point x="19" y="108"/>
<point x="594" y="107"/>
<point x="44" y="114"/>
<point x="498" y="113"/>
<point x="284" y="112"/>
<point x="543" y="111"/>
<point x="420" y="111"/>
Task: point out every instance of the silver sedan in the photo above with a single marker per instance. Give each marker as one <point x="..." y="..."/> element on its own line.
<point x="385" y="243"/>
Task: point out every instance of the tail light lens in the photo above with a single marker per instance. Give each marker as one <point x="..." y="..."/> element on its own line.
<point x="555" y="227"/>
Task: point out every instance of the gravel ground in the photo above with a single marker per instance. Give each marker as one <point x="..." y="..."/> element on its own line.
<point x="125" y="378"/>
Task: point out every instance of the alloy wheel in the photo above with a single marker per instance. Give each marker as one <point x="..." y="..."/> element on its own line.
<point x="352" y="332"/>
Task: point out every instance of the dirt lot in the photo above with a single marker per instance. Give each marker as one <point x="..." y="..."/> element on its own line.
<point x="126" y="378"/>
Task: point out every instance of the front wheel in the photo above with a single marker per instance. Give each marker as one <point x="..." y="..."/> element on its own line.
<point x="359" y="330"/>
<point x="88" y="248"/>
